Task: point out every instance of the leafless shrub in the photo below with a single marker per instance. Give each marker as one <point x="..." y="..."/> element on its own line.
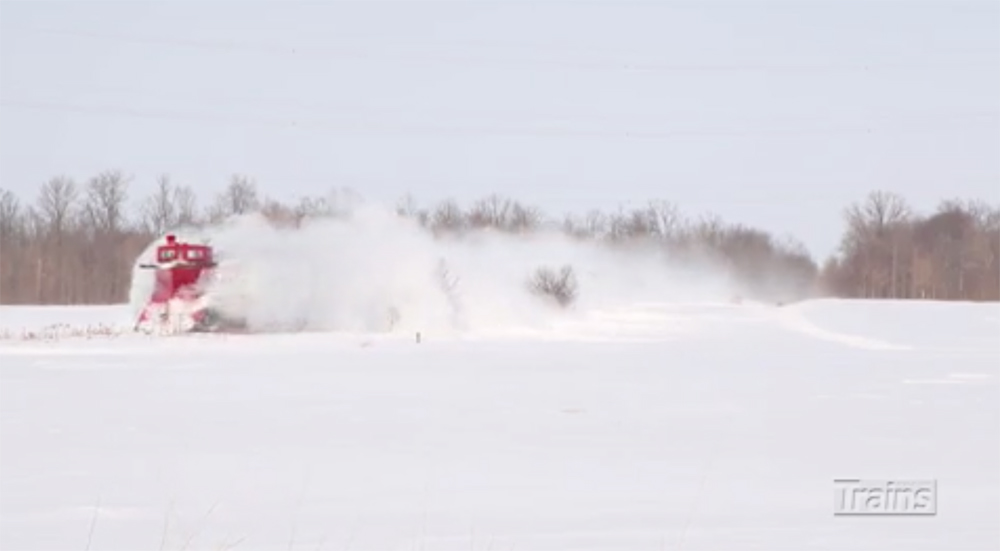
<point x="559" y="286"/>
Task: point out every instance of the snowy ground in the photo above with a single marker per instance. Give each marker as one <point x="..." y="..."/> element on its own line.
<point x="659" y="426"/>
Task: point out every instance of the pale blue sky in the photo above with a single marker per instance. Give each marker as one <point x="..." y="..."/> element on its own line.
<point x="775" y="114"/>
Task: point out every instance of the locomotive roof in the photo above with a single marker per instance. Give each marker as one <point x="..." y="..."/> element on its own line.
<point x="174" y="251"/>
<point x="173" y="242"/>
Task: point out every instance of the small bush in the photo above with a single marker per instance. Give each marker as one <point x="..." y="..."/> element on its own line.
<point x="560" y="286"/>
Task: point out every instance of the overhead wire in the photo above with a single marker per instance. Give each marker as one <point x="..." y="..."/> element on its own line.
<point x="310" y="118"/>
<point x="990" y="120"/>
<point x="410" y="56"/>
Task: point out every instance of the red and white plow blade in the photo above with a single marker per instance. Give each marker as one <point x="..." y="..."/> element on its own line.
<point x="176" y="315"/>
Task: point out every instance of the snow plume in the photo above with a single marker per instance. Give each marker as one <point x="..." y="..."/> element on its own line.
<point x="372" y="270"/>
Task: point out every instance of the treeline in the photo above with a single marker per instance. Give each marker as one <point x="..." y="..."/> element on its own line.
<point x="74" y="243"/>
<point x="888" y="251"/>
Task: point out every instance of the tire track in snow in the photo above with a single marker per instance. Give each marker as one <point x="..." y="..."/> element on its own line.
<point x="792" y="319"/>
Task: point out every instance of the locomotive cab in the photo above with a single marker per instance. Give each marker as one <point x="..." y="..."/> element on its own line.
<point x="179" y="266"/>
<point x="179" y="269"/>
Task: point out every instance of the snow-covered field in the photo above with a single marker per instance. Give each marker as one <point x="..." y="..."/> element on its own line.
<point x="654" y="426"/>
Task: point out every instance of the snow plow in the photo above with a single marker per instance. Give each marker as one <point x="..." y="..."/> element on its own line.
<point x="180" y="302"/>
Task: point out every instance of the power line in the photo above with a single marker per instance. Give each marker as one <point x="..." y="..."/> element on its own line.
<point x="299" y="52"/>
<point x="990" y="120"/>
<point x="311" y="109"/>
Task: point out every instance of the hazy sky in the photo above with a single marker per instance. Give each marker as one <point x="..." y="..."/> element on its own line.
<point x="775" y="114"/>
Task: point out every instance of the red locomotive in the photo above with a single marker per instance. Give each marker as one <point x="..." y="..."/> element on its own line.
<point x="179" y="302"/>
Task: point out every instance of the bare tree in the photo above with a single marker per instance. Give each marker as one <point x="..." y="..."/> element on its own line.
<point x="618" y="227"/>
<point x="665" y="218"/>
<point x="186" y="203"/>
<point x="491" y="212"/>
<point x="593" y="225"/>
<point x="946" y="237"/>
<point x="12" y="229"/>
<point x="279" y="214"/>
<point x="709" y="231"/>
<point x="10" y="214"/>
<point x="312" y="207"/>
<point x="878" y="212"/>
<point x="104" y="203"/>
<point x="56" y="208"/>
<point x="873" y="237"/>
<point x="67" y="248"/>
<point x="523" y="219"/>
<point x="447" y="217"/>
<point x="55" y="204"/>
<point x="596" y="224"/>
<point x="103" y="224"/>
<point x="632" y="225"/>
<point x="239" y="197"/>
<point x="407" y="206"/>
<point x="159" y="210"/>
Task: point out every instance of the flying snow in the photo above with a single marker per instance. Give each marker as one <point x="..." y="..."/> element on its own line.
<point x="372" y="270"/>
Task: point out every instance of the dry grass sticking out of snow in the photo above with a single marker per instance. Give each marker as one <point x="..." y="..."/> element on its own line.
<point x="60" y="331"/>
